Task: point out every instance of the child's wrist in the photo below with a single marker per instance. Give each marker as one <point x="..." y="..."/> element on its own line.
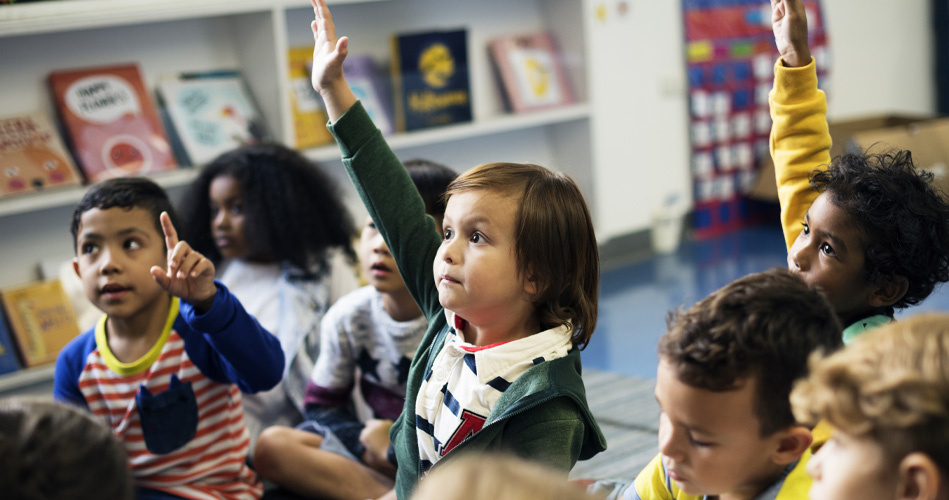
<point x="796" y="58"/>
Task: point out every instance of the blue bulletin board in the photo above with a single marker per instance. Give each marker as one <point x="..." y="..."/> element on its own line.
<point x="730" y="56"/>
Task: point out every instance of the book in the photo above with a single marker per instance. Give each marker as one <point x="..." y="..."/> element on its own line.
<point x="366" y="82"/>
<point x="111" y="123"/>
<point x="531" y="72"/>
<point x="210" y="113"/>
<point x="306" y="105"/>
<point x="8" y="355"/>
<point x="33" y="156"/>
<point x="430" y="79"/>
<point x="41" y="318"/>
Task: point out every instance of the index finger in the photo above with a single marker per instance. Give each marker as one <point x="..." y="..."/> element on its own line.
<point x="324" y="18"/>
<point x="171" y="235"/>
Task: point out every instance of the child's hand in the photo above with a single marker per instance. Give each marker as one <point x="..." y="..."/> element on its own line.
<point x="190" y="275"/>
<point x="328" y="55"/>
<point x="789" y="22"/>
<point x="375" y="437"/>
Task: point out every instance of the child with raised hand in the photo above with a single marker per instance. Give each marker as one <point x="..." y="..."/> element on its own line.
<point x="55" y="451"/>
<point x="369" y="336"/>
<point x="276" y="228"/>
<point x="509" y="289"/>
<point x="726" y="369"/>
<point x="166" y="364"/>
<point x="887" y="398"/>
<point x="869" y="230"/>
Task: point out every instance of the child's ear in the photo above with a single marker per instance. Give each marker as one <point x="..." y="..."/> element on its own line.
<point x="919" y="478"/>
<point x="75" y="266"/>
<point x="792" y="443"/>
<point x="889" y="292"/>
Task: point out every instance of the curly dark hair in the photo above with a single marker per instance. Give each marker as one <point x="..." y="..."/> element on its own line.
<point x="904" y="220"/>
<point x="763" y="325"/>
<point x="293" y="211"/>
<point x="125" y="193"/>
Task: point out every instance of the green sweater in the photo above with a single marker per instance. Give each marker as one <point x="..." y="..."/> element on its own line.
<point x="543" y="415"/>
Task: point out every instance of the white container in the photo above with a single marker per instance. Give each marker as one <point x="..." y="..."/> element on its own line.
<point x="667" y="225"/>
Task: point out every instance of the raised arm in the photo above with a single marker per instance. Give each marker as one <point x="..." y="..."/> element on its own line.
<point x="800" y="139"/>
<point x="328" y="55"/>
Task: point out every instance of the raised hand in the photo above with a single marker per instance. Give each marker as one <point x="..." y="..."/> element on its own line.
<point x="190" y="274"/>
<point x="789" y="22"/>
<point x="328" y="55"/>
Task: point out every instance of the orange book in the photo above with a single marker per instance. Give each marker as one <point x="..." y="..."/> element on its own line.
<point x="33" y="156"/>
<point x="309" y="117"/>
<point x="41" y="319"/>
<point x="112" y="123"/>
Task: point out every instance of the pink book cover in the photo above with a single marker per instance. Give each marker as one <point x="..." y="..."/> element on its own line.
<point x="112" y="124"/>
<point x="531" y="71"/>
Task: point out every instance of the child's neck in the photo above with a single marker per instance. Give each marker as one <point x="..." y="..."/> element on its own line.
<point x="132" y="337"/>
<point x="400" y="306"/>
<point x="753" y="490"/>
<point x="499" y="331"/>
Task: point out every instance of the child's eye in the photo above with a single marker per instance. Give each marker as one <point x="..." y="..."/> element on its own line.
<point x="827" y="249"/>
<point x="477" y="238"/>
<point x="132" y="244"/>
<point x="448" y="234"/>
<point x="371" y="225"/>
<point x="806" y="230"/>
<point x="214" y="211"/>
<point x="88" y="248"/>
<point x="237" y="209"/>
<point x="699" y="444"/>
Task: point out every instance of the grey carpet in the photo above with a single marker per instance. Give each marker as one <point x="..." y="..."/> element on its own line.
<point x="628" y="415"/>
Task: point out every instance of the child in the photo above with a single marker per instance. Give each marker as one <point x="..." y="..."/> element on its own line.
<point x="875" y="234"/>
<point x="887" y="398"/>
<point x="726" y="368"/>
<point x="166" y="364"/>
<point x="51" y="451"/>
<point x="509" y="290"/>
<point x="279" y="234"/>
<point x="485" y="476"/>
<point x="370" y="334"/>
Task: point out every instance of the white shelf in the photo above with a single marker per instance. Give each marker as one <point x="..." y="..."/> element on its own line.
<point x="26" y="377"/>
<point x="69" y="15"/>
<point x="504" y="123"/>
<point x="461" y="131"/>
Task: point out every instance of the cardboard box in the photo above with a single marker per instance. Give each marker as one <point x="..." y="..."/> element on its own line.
<point x="928" y="141"/>
<point x="843" y="134"/>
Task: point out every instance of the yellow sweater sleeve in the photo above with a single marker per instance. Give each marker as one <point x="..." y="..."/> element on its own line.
<point x="800" y="141"/>
<point x="653" y="484"/>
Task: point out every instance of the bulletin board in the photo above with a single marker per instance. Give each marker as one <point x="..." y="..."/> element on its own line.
<point x="730" y="56"/>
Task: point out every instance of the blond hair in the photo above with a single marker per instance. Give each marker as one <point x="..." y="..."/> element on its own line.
<point x="891" y="385"/>
<point x="554" y="241"/>
<point x="496" y="477"/>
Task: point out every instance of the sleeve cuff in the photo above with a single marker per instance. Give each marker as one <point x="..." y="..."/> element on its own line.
<point x="794" y="84"/>
<point x="351" y="131"/>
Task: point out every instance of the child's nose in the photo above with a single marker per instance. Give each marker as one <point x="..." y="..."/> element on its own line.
<point x="667" y="439"/>
<point x="798" y="257"/>
<point x="379" y="245"/>
<point x="109" y="262"/>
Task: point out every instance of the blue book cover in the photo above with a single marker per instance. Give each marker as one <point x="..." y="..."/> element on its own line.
<point x="430" y="79"/>
<point x="8" y="356"/>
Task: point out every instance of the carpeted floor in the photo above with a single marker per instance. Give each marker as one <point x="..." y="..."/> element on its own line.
<point x="628" y="414"/>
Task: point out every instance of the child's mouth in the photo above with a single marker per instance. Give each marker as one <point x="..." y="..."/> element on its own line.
<point x="379" y="270"/>
<point x="113" y="291"/>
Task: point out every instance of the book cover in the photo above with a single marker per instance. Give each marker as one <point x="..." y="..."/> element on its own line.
<point x="306" y="105"/>
<point x="531" y="71"/>
<point x="41" y="319"/>
<point x="33" y="156"/>
<point x="430" y="79"/>
<point x="211" y="113"/>
<point x="366" y="82"/>
<point x="111" y="123"/>
<point x="8" y="355"/>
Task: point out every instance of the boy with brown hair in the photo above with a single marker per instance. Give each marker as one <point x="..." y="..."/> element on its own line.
<point x="887" y="398"/>
<point x="726" y="368"/>
<point x="867" y="229"/>
<point x="166" y="364"/>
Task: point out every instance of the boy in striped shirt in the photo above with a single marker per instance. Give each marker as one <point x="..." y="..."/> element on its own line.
<point x="166" y="364"/>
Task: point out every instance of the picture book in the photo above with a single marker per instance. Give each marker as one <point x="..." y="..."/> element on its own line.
<point x="41" y="319"/>
<point x="8" y="356"/>
<point x="33" y="156"/>
<point x="430" y="79"/>
<point x="111" y="123"/>
<point x="306" y="105"/>
<point x="366" y="82"/>
<point x="210" y="113"/>
<point x="531" y="72"/>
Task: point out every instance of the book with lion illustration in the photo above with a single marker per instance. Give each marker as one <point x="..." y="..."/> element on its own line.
<point x="33" y="157"/>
